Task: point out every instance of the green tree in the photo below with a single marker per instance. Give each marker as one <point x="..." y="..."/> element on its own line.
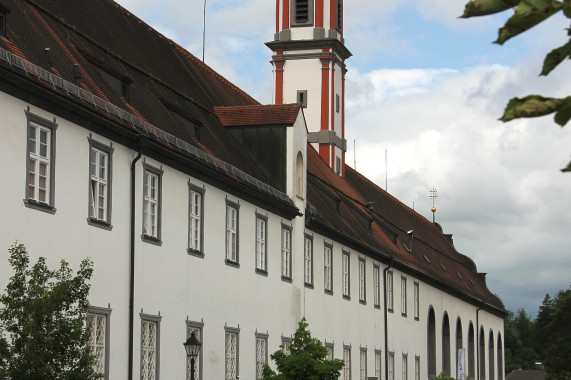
<point x="44" y="315"/>
<point x="544" y="317"/>
<point x="557" y="353"/>
<point x="527" y="14"/>
<point x="518" y="334"/>
<point x="305" y="361"/>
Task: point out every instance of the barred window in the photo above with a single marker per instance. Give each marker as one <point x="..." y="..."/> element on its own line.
<point x="196" y="328"/>
<point x="261" y="353"/>
<point x="363" y="364"/>
<point x="347" y="360"/>
<point x="150" y="347"/>
<point x="404" y="367"/>
<point x="231" y="353"/>
<point x="98" y="322"/>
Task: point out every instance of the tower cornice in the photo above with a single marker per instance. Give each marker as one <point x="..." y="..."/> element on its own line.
<point x="337" y="46"/>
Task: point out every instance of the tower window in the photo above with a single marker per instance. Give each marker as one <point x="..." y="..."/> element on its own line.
<point x="339" y="15"/>
<point x="302" y="98"/>
<point x="337" y="103"/>
<point x="302" y="12"/>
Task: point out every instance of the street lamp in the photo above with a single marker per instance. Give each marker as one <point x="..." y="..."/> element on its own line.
<point x="192" y="347"/>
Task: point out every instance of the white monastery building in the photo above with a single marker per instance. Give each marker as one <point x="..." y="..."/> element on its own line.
<point x="206" y="211"/>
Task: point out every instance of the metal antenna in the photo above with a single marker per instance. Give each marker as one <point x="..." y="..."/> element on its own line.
<point x="433" y="195"/>
<point x="204" y="31"/>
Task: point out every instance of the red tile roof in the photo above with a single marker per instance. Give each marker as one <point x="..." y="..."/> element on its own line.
<point x="283" y="114"/>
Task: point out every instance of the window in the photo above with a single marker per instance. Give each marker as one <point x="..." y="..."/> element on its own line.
<point x="118" y="84"/>
<point x="302" y="98"/>
<point x="337" y="103"/>
<point x="231" y="353"/>
<point x="328" y="269"/>
<point x="261" y="353"/>
<point x="390" y="291"/>
<point x="286" y="252"/>
<point x="150" y="338"/>
<point x="363" y="364"/>
<point x="404" y="367"/>
<point x="98" y="322"/>
<point x="337" y="165"/>
<point x="339" y="15"/>
<point x="416" y="300"/>
<point x="41" y="163"/>
<point x="417" y="368"/>
<point x="362" y="293"/>
<point x="376" y="285"/>
<point x="195" y="219"/>
<point x="232" y="232"/>
<point x="302" y="12"/>
<point x="403" y="295"/>
<point x="345" y="275"/>
<point x="2" y="23"/>
<point x="308" y="261"/>
<point x="330" y="350"/>
<point x="196" y="328"/>
<point x="378" y="360"/>
<point x="99" y="183"/>
<point x="261" y="246"/>
<point x="391" y="366"/>
<point x="347" y="360"/>
<point x="151" y="203"/>
<point x="286" y="344"/>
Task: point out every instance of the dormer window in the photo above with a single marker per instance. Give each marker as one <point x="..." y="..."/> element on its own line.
<point x="120" y="85"/>
<point x="190" y="126"/>
<point x="302" y="12"/>
<point x="3" y="14"/>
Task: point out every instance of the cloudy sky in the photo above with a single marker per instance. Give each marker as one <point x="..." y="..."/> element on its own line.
<point x="428" y="88"/>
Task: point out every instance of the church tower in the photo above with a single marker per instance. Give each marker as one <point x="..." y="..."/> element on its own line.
<point x="309" y="68"/>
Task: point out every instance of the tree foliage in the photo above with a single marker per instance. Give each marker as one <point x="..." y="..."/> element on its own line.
<point x="557" y="349"/>
<point x="44" y="315"/>
<point x="527" y="14"/>
<point x="305" y="361"/>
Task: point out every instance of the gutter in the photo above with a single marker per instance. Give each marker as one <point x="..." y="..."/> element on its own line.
<point x="140" y="145"/>
<point x="386" y="320"/>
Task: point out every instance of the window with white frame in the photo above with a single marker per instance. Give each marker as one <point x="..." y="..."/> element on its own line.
<point x="196" y="328"/>
<point x="345" y="275"/>
<point x="330" y="349"/>
<point x="328" y="268"/>
<point x="98" y="322"/>
<point x="231" y="353"/>
<point x="362" y="289"/>
<point x="232" y="232"/>
<point x="308" y="261"/>
<point x="417" y="368"/>
<point x="389" y="291"/>
<point x="150" y="345"/>
<point x="40" y="163"/>
<point x="151" y="202"/>
<point x="416" y="300"/>
<point x="378" y="361"/>
<point x="376" y="285"/>
<point x="347" y="361"/>
<point x="195" y="219"/>
<point x="391" y="366"/>
<point x="404" y="367"/>
<point x="403" y="295"/>
<point x="99" y="182"/>
<point x="261" y="250"/>
<point x="286" y="252"/>
<point x="363" y="364"/>
<point x="286" y="344"/>
<point x="261" y="353"/>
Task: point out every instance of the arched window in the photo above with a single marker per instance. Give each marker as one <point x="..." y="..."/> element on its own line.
<point x="459" y="340"/>
<point x="431" y="344"/>
<point x="482" y="355"/>
<point x="491" y="358"/>
<point x="446" y="345"/>
<point x="500" y="358"/>
<point x="299" y="176"/>
<point x="471" y="353"/>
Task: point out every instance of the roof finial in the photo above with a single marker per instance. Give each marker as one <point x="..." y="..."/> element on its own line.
<point x="433" y="195"/>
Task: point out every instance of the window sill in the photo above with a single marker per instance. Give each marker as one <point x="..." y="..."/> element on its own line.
<point x="416" y="318"/>
<point x="287" y="279"/>
<point x="390" y="310"/>
<point x="329" y="292"/>
<point x="378" y="307"/>
<point x="44" y="207"/>
<point x="195" y="253"/>
<point x="348" y="298"/>
<point x="151" y="240"/>
<point x="233" y="264"/>
<point x="308" y="285"/>
<point x="404" y="315"/>
<point x="99" y="224"/>
<point x="262" y="272"/>
<point x="362" y="302"/>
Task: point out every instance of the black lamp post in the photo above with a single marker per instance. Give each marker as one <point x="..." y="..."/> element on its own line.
<point x="192" y="347"/>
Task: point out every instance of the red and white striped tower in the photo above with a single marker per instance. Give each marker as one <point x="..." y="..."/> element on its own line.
<point x="309" y="67"/>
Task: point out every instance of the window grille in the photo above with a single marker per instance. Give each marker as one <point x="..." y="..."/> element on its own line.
<point x="261" y="357"/>
<point x="149" y="350"/>
<point x="97" y="340"/>
<point x="231" y="355"/>
<point x="391" y="366"/>
<point x="347" y="360"/>
<point x="417" y="368"/>
<point x="378" y="359"/>
<point x="363" y="365"/>
<point x="404" y="367"/>
<point x="197" y="361"/>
